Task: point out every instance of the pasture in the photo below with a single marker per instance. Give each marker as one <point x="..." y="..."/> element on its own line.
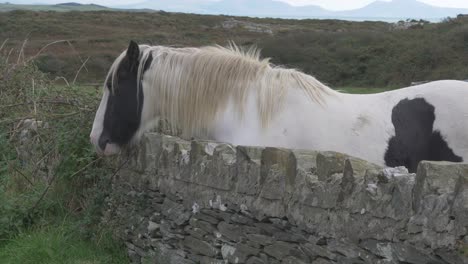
<point x="339" y="53"/>
<point x="53" y="202"/>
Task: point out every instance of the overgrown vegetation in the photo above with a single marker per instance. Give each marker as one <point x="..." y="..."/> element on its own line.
<point x="49" y="174"/>
<point x="340" y="53"/>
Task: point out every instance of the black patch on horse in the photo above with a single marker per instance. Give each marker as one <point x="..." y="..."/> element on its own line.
<point x="414" y="138"/>
<point x="125" y="102"/>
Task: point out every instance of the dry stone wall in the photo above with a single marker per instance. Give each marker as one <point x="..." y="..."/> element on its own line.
<point x="182" y="202"/>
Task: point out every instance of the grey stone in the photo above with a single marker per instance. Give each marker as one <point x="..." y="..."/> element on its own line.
<point x="152" y="227"/>
<point x="278" y="173"/>
<point x="238" y="253"/>
<point x="196" y="232"/>
<point x="206" y="218"/>
<point x="453" y="257"/>
<point x="292" y="260"/>
<point x="261" y="239"/>
<point x="199" y="246"/>
<point x="267" y="229"/>
<point x="230" y="232"/>
<point x="133" y="256"/>
<point x="240" y="219"/>
<point x="213" y="165"/>
<point x="347" y="260"/>
<point x="329" y="163"/>
<point x="166" y="230"/>
<point x="175" y="212"/>
<point x="248" y="165"/>
<point x="289" y="237"/>
<point x="205" y="226"/>
<point x="398" y="252"/>
<point x="322" y="261"/>
<point x="204" y="260"/>
<point x="280" y="250"/>
<point x="220" y="215"/>
<point x="255" y="260"/>
<point x="314" y="251"/>
<point x="438" y="178"/>
<point x="164" y="254"/>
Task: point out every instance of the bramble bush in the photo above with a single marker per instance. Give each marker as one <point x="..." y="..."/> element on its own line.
<point x="49" y="172"/>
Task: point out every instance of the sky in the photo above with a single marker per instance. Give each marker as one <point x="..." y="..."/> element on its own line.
<point x="327" y="4"/>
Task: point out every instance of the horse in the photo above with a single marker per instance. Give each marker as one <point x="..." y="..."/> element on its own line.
<point x="231" y="94"/>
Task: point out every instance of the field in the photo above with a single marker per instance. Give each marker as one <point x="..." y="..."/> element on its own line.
<point x="339" y="53"/>
<point x="53" y="186"/>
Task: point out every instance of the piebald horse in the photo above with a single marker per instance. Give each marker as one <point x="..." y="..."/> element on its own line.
<point x="231" y="95"/>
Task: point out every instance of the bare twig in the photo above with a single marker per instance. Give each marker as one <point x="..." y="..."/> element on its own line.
<point x="120" y="168"/>
<point x="45" y="47"/>
<point x="59" y="102"/>
<point x="64" y="115"/>
<point x="12" y="105"/>
<point x="62" y="78"/>
<point x="55" y="42"/>
<point x="34" y="98"/>
<point x="13" y="120"/>
<point x="24" y="176"/>
<point x="21" y="53"/>
<point x="52" y="180"/>
<point x="85" y="167"/>
<point x="9" y="54"/>
<point x="79" y="70"/>
<point x="3" y="44"/>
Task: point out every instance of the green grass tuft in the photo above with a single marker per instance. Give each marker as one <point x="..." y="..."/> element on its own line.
<point x="362" y="90"/>
<point x="60" y="245"/>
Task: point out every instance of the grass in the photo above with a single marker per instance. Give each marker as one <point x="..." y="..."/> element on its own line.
<point x="362" y="90"/>
<point x="463" y="249"/>
<point x="60" y="245"/>
<point x="339" y="53"/>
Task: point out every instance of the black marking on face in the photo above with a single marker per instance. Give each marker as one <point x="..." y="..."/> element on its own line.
<point x="125" y="102"/>
<point x="414" y="138"/>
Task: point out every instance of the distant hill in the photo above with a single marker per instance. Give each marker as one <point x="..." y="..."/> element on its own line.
<point x="74" y="4"/>
<point x="403" y="8"/>
<point x="63" y="7"/>
<point x="378" y="10"/>
<point x="59" y="7"/>
<point x="393" y="10"/>
<point x="263" y="8"/>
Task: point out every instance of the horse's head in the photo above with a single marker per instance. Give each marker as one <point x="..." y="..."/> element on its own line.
<point x="119" y="114"/>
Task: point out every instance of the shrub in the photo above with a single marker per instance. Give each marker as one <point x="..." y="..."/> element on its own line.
<point x="48" y="170"/>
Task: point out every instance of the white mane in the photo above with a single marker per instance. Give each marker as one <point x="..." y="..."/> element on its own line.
<point x="190" y="86"/>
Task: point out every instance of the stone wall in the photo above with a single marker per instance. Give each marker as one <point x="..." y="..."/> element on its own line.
<point x="185" y="202"/>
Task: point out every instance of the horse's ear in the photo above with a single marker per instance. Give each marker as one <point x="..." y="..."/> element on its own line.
<point x="133" y="54"/>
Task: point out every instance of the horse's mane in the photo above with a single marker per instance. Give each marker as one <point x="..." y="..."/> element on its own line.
<point x="190" y="86"/>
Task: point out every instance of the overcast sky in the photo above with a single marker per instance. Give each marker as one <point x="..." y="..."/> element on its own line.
<point x="328" y="4"/>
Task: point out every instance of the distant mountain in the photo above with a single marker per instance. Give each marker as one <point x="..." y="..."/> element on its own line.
<point x="73" y="4"/>
<point x="187" y="6"/>
<point x="377" y="10"/>
<point x="64" y="7"/>
<point x="262" y="8"/>
<point x="398" y="9"/>
<point x="402" y="8"/>
<point x="59" y="7"/>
